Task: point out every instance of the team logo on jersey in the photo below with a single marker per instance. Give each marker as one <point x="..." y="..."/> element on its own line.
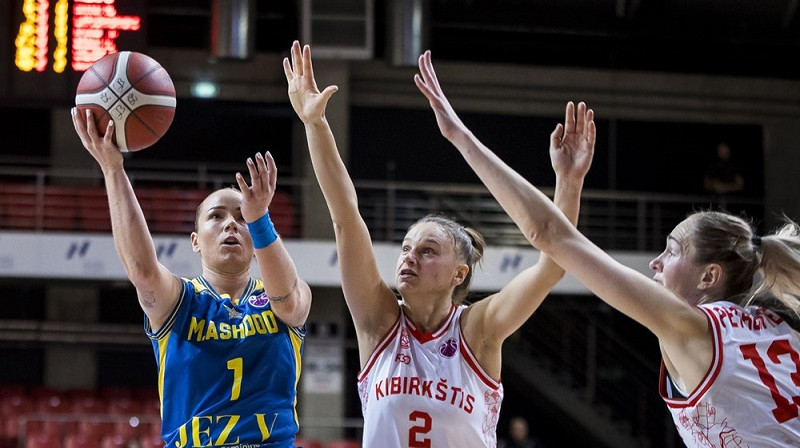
<point x="404" y="358"/>
<point x="403" y="338"/>
<point x="259" y="301"/>
<point x="448" y="348"/>
<point x="232" y="313"/>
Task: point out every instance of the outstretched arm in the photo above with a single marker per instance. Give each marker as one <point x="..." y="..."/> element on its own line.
<point x="371" y="302"/>
<point x="493" y="319"/>
<point x="156" y="287"/>
<point x="681" y="328"/>
<point x="289" y="295"/>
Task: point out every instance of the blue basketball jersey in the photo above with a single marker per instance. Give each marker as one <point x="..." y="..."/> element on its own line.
<point x="227" y="370"/>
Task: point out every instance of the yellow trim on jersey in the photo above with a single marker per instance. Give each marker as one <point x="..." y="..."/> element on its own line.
<point x="297" y="343"/>
<point x="162" y="354"/>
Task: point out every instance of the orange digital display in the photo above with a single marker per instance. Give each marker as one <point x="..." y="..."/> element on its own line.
<point x="93" y="25"/>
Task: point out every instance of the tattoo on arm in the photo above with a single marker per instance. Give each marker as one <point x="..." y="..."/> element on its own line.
<point x="285" y="297"/>
<point x="147" y="299"/>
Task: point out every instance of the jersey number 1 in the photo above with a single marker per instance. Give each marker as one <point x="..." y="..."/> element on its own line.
<point x="235" y="364"/>
<point x="785" y="409"/>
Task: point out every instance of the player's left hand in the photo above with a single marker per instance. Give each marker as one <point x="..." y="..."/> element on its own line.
<point x="258" y="195"/>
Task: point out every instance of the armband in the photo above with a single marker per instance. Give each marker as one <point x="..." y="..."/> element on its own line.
<point x="262" y="231"/>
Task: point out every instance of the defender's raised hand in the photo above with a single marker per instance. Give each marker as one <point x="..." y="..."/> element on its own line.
<point x="308" y="102"/>
<point x="428" y="84"/>
<point x="572" y="143"/>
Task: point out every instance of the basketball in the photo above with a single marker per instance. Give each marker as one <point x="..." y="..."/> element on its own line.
<point x="135" y="91"/>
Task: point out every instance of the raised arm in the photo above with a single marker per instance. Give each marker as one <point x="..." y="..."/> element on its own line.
<point x="493" y="319"/>
<point x="677" y="324"/>
<point x="289" y="295"/>
<point x="371" y="302"/>
<point x="156" y="287"/>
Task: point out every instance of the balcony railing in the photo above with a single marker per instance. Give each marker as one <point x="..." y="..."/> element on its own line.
<point x="43" y="199"/>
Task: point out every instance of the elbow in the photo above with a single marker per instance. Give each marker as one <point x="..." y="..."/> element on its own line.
<point x="545" y="234"/>
<point x="142" y="274"/>
<point x="294" y="308"/>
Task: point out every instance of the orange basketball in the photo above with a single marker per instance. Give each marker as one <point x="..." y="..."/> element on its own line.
<point x="135" y="91"/>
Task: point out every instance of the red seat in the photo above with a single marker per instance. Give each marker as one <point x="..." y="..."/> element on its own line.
<point x="127" y="429"/>
<point x="114" y="441"/>
<point x="307" y="442"/>
<point x="88" y="404"/>
<point x="50" y="401"/>
<point x="282" y="213"/>
<point x="18" y="206"/>
<point x="43" y="440"/>
<point x="343" y="443"/>
<point x="170" y="211"/>
<point x="60" y="210"/>
<point x="123" y="406"/>
<point x="78" y="440"/>
<point x="13" y="405"/>
<point x="93" y="212"/>
<point x="151" y="441"/>
<point x="92" y="428"/>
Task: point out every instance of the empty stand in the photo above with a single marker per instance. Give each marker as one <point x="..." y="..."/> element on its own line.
<point x="18" y="206"/>
<point x="343" y="443"/>
<point x="93" y="212"/>
<point x="305" y="442"/>
<point x="170" y="211"/>
<point x="43" y="440"/>
<point x="60" y="211"/>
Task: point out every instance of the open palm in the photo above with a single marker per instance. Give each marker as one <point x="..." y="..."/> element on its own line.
<point x="572" y="144"/>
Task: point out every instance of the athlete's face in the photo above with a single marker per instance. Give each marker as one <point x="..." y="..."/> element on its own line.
<point x="675" y="269"/>
<point x="428" y="263"/>
<point x="222" y="238"/>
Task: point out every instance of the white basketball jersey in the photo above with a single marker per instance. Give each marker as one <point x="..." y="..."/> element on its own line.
<point x="426" y="390"/>
<point x="751" y="394"/>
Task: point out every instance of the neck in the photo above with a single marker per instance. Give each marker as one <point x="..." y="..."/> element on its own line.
<point x="233" y="285"/>
<point x="427" y="315"/>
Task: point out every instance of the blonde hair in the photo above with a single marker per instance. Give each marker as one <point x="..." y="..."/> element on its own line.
<point x="469" y="246"/>
<point x="760" y="270"/>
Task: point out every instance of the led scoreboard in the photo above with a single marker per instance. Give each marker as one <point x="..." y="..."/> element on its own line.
<point x="54" y="35"/>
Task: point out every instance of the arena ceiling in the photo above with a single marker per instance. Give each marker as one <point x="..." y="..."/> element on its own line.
<point x="736" y="37"/>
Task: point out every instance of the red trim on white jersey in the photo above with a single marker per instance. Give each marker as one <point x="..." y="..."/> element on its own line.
<point x="429" y="336"/>
<point x="380" y="347"/>
<point x="708" y="378"/>
<point x="474" y="365"/>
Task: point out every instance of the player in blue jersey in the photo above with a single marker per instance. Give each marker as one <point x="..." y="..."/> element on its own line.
<point x="227" y="345"/>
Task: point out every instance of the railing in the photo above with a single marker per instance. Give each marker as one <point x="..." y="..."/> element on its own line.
<point x="608" y="358"/>
<point x="39" y="198"/>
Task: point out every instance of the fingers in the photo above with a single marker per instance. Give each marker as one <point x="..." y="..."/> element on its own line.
<point x="308" y="69"/>
<point x="569" y="118"/>
<point x="581" y="118"/>
<point x="242" y="184"/>
<point x="287" y="70"/>
<point x="109" y="135"/>
<point x="591" y="129"/>
<point x="555" y="136"/>
<point x="296" y="64"/>
<point x="272" y="171"/>
<point x="80" y="126"/>
<point x="328" y="93"/>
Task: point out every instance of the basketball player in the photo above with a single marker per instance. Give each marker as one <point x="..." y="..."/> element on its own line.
<point x="723" y="301"/>
<point x="430" y="372"/>
<point x="227" y="345"/>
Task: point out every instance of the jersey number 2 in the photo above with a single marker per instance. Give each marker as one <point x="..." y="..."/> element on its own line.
<point x="235" y="364"/>
<point x="416" y="433"/>
<point x="785" y="409"/>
